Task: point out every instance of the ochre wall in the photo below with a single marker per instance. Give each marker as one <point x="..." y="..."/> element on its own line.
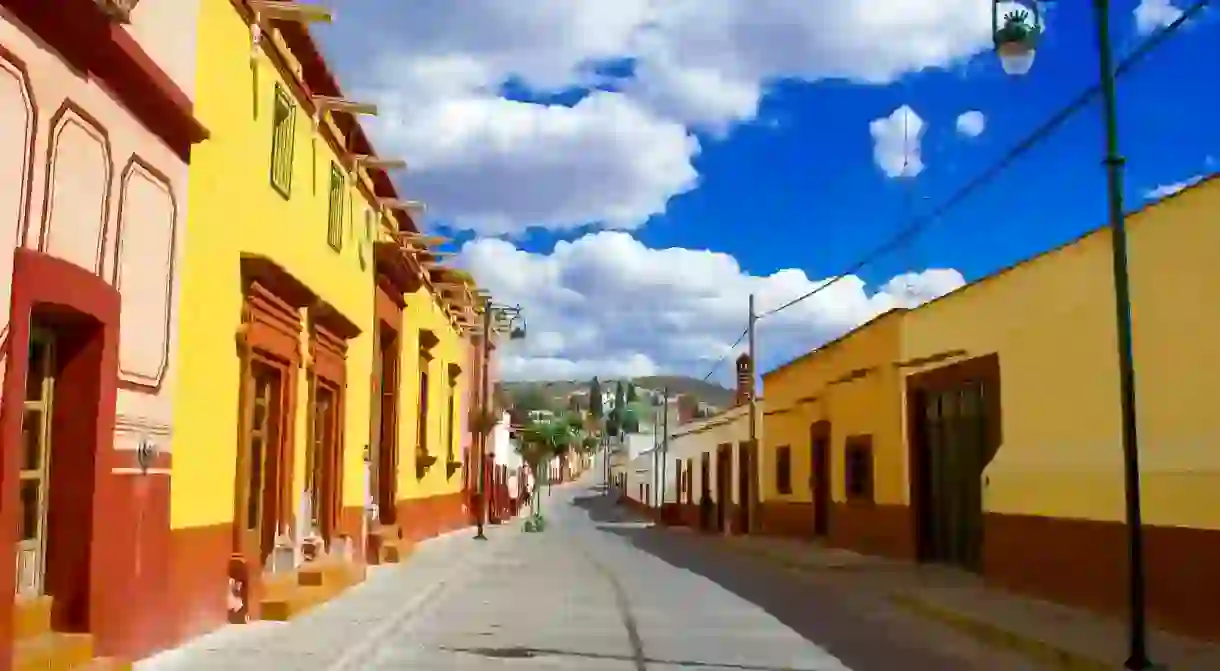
<point x="234" y="210"/>
<point x="821" y="387"/>
<point x="422" y="312"/>
<point x="1052" y="322"/>
<point x="1054" y="493"/>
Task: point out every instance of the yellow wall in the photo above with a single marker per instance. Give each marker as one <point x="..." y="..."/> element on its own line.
<point x="1051" y="321"/>
<point x="870" y="405"/>
<point x="691" y="441"/>
<point x="233" y="209"/>
<point x="423" y="313"/>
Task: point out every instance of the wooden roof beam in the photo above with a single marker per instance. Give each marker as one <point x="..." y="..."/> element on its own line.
<point x="423" y="238"/>
<point x="331" y="104"/>
<point x="288" y="10"/>
<point x="409" y="205"/>
<point x="370" y="162"/>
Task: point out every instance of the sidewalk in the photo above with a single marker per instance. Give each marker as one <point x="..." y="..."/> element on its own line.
<point x="1056" y="636"/>
<point x="341" y="634"/>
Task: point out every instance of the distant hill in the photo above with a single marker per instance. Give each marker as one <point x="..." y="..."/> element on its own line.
<point x="556" y="392"/>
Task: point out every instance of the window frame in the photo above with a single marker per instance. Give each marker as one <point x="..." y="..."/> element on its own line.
<point x="336" y="203"/>
<point x="857" y="451"/>
<point x="283" y="142"/>
<point x="783" y="469"/>
<point x="425" y="383"/>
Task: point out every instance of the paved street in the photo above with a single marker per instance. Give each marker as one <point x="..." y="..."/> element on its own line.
<point x="597" y="590"/>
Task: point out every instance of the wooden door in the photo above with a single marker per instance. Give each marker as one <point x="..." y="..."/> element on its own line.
<point x="35" y="464"/>
<point x="705" y="490"/>
<point x="745" y="489"/>
<point x="724" y="494"/>
<point x="819" y="476"/>
<point x="258" y="491"/>
<point x="320" y="463"/>
<point x="386" y="461"/>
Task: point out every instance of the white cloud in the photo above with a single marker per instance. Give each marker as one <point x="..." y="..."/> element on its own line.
<point x="496" y="166"/>
<point x="607" y="305"/>
<point x="1153" y="14"/>
<point x="972" y="123"/>
<point x="1166" y="190"/>
<point x="896" y="142"/>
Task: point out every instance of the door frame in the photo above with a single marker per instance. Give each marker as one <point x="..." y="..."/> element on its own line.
<point x="46" y="409"/>
<point x="819" y="476"/>
<point x="984" y="369"/>
<point x="724" y="487"/>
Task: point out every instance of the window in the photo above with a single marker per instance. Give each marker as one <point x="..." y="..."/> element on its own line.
<point x="452" y="419"/>
<point x="334" y="229"/>
<point x="283" y="129"/>
<point x="858" y="467"/>
<point x="366" y="242"/>
<point x="783" y="470"/>
<point x="421" y="432"/>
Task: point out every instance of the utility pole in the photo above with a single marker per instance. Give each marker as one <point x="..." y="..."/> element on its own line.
<point x="752" y="463"/>
<point x="485" y="409"/>
<point x="664" y="443"/>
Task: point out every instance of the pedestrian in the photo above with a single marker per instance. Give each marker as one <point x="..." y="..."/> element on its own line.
<point x="513" y="500"/>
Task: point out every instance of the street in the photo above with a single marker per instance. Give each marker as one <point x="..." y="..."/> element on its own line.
<point x="598" y="589"/>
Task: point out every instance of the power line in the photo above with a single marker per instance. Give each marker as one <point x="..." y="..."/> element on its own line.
<point x="984" y="178"/>
<point x="731" y="348"/>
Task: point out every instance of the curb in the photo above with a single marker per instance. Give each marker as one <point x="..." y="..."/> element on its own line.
<point x="1030" y="647"/>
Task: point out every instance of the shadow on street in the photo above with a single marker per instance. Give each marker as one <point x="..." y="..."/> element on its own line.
<point x="861" y="636"/>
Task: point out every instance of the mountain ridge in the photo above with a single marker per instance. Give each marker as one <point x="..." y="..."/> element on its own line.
<point x="557" y="391"/>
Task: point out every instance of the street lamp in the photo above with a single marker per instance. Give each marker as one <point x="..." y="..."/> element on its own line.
<point x="1015" y="42"/>
<point x="1016" y="34"/>
<point x="493" y="314"/>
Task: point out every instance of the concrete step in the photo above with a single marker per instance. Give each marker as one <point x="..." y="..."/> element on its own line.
<point x="106" y="664"/>
<point x="287" y="604"/>
<point x="289" y="595"/>
<point x="395" y="551"/>
<point x="31" y="616"/>
<point x="327" y="571"/>
<point x="53" y="651"/>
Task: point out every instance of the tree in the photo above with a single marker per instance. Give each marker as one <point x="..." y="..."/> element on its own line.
<point x="575" y="422"/>
<point x="595" y="399"/>
<point x="612" y="425"/>
<point x="589" y="445"/>
<point x="630" y="392"/>
<point x="539" y="442"/>
<point x="630" y="420"/>
<point x="620" y="400"/>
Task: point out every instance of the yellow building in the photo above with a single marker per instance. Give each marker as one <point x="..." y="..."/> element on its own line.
<point x="711" y="475"/>
<point x="314" y="322"/>
<point x="434" y="353"/>
<point x="834" y="457"/>
<point x="1015" y="419"/>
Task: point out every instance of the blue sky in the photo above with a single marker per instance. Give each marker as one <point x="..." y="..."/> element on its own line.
<point x="529" y="149"/>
